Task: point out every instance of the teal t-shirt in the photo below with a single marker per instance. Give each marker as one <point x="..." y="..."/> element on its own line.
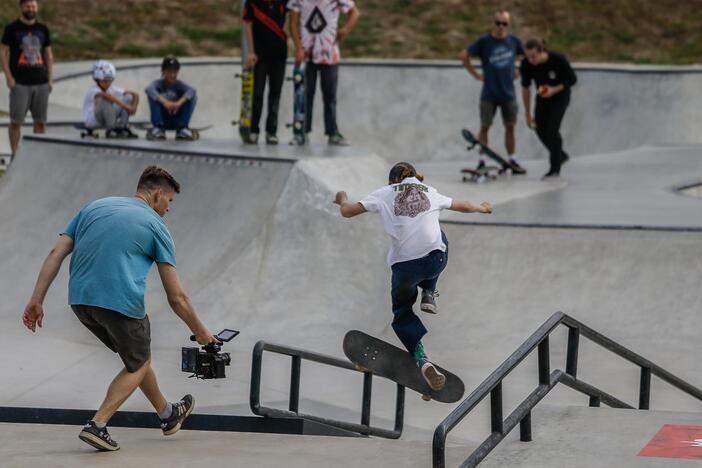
<point x="115" y="242"/>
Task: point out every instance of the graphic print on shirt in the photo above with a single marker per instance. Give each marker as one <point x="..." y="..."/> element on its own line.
<point x="316" y="22"/>
<point x="501" y="57"/>
<point x="411" y="201"/>
<point x="31" y="51"/>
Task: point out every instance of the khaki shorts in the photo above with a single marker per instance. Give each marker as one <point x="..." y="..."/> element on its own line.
<point x="126" y="336"/>
<point x="508" y="109"/>
<point x="32" y="98"/>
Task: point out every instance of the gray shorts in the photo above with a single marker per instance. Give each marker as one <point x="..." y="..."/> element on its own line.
<point x="33" y="98"/>
<point x="509" y="110"/>
<point x="126" y="336"/>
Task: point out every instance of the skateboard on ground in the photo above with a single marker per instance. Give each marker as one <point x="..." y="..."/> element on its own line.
<point x="195" y="130"/>
<point x="298" y="124"/>
<point x="480" y="176"/>
<point x="506" y="167"/>
<point x="247" y="89"/>
<point x="95" y="133"/>
<point x="385" y="360"/>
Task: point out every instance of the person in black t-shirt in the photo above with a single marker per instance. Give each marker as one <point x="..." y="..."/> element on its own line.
<point x="554" y="77"/>
<point x="264" y="22"/>
<point x="27" y="62"/>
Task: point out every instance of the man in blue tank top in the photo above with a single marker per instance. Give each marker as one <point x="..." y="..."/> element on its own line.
<point x="113" y="242"/>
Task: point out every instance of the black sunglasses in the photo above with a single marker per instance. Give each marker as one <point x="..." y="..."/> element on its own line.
<point x="501" y="23"/>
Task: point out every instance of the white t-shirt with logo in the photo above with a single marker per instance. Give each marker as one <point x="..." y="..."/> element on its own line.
<point x="89" y="103"/>
<point x="410" y="213"/>
<point x="319" y="23"/>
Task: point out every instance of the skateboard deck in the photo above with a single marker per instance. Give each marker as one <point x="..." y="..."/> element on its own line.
<point x="385" y="360"/>
<point x="298" y="124"/>
<point x="247" y="88"/>
<point x="480" y="175"/>
<point x="96" y="133"/>
<point x="504" y="164"/>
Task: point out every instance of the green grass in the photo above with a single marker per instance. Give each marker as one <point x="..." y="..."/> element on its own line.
<point x="639" y="31"/>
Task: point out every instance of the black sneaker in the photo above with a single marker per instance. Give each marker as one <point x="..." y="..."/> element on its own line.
<point x="181" y="411"/>
<point x="428" y="303"/>
<point x="564" y="158"/>
<point x="516" y="168"/>
<point x="550" y="175"/>
<point x="481" y="166"/>
<point x="98" y="438"/>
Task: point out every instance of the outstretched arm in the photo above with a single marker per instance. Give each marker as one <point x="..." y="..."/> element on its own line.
<point x="464" y="206"/>
<point x="347" y="208"/>
<point x="180" y="302"/>
<point x="34" y="311"/>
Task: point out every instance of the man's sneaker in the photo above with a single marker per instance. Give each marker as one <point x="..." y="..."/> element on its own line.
<point x="98" y="438"/>
<point x="271" y="139"/>
<point x="481" y="166"/>
<point x="516" y="168"/>
<point x="431" y="374"/>
<point x="428" y="303"/>
<point x="338" y="140"/>
<point x="185" y="134"/>
<point x="551" y="175"/>
<point x="155" y="133"/>
<point x="252" y="139"/>
<point x="564" y="158"/>
<point x="181" y="411"/>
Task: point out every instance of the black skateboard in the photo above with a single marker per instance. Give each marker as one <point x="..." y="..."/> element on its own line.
<point x="505" y="166"/>
<point x="298" y="124"/>
<point x="385" y="360"/>
<point x="481" y="175"/>
<point x="95" y="133"/>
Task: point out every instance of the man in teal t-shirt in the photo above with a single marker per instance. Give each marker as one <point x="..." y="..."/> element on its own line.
<point x="113" y="242"/>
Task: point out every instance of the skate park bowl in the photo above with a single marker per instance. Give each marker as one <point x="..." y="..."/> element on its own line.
<point x="262" y="249"/>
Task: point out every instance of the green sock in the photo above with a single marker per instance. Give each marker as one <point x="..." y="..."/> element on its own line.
<point x="419" y="353"/>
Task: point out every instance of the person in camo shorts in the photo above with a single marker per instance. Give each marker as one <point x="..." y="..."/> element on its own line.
<point x="27" y="62"/>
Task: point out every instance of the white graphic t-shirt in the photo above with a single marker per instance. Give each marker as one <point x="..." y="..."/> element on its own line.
<point x="410" y="213"/>
<point x="89" y="103"/>
<point x="319" y="23"/>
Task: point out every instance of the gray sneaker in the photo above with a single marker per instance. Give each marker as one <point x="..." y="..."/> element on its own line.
<point x="428" y="303"/>
<point x="185" y="134"/>
<point x="98" y="438"/>
<point x="434" y="378"/>
<point x="181" y="411"/>
<point x="156" y="133"/>
<point x="338" y="140"/>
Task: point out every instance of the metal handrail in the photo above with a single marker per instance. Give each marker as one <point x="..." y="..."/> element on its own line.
<point x="297" y="356"/>
<point x="500" y="426"/>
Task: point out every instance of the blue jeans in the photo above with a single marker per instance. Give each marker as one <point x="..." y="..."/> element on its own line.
<point x="181" y="119"/>
<point x="406" y="278"/>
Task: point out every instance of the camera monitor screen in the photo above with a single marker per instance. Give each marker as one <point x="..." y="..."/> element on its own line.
<point x="226" y="334"/>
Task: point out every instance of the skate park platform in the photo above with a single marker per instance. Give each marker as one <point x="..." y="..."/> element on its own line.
<point x="261" y="249"/>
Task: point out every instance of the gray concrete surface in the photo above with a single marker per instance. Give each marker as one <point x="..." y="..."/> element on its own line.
<point x="415" y="109"/>
<point x="262" y="249"/>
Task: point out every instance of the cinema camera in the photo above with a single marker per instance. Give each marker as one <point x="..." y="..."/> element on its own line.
<point x="208" y="362"/>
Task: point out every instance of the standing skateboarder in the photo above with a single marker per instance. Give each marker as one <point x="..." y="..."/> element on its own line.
<point x="498" y="52"/>
<point x="410" y="211"/>
<point x="554" y="77"/>
<point x="314" y="27"/>
<point x="264" y="22"/>
<point x="114" y="242"/>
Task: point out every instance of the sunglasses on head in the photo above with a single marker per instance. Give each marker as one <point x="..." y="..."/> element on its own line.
<point x="501" y="23"/>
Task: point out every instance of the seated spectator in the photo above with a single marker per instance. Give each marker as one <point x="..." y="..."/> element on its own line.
<point x="171" y="102"/>
<point x="108" y="106"/>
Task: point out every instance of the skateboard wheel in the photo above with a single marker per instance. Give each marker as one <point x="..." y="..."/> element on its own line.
<point x="426" y="397"/>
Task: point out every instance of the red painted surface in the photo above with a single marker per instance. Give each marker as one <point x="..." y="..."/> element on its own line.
<point x="675" y="441"/>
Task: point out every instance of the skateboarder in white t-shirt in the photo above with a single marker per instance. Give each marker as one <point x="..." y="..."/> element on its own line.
<point x="410" y="211"/>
